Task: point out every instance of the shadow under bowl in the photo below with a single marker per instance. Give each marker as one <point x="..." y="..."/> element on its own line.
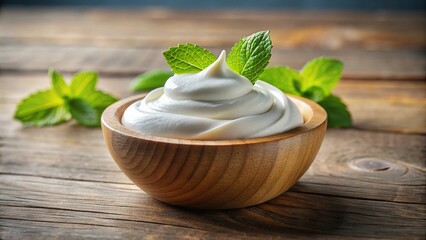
<point x="214" y="174"/>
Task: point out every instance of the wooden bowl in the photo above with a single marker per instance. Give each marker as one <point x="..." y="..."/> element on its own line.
<point x="218" y="174"/>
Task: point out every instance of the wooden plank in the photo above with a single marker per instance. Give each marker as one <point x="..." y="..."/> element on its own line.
<point x="130" y="61"/>
<point x="397" y="106"/>
<point x="123" y="206"/>
<point x="42" y="229"/>
<point x="161" y="27"/>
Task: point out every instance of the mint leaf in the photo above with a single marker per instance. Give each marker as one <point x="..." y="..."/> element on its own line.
<point x="284" y="78"/>
<point x="234" y="59"/>
<point x="251" y="55"/>
<point x="88" y="110"/>
<point x="85" y="114"/>
<point x="314" y="93"/>
<point x="87" y="103"/>
<point x="42" y="109"/>
<point x="338" y="114"/>
<point x="188" y="58"/>
<point x="80" y="100"/>
<point x="58" y="83"/>
<point x="321" y="72"/>
<point x="83" y="83"/>
<point x="100" y="100"/>
<point x="150" y="80"/>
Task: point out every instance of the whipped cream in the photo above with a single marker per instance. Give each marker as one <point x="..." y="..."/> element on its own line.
<point x="213" y="104"/>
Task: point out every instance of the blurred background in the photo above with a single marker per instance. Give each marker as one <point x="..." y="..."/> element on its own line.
<point x="267" y="4"/>
<point x="375" y="38"/>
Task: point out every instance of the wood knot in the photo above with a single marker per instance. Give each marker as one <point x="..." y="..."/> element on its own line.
<point x="371" y="165"/>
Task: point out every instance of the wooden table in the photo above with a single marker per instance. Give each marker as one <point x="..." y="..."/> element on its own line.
<point x="368" y="181"/>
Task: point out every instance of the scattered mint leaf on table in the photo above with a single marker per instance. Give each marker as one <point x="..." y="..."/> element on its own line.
<point x="150" y="80"/>
<point x="251" y="55"/>
<point x="188" y="58"/>
<point x="79" y="100"/>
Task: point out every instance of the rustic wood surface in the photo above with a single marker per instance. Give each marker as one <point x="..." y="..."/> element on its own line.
<point x="368" y="181"/>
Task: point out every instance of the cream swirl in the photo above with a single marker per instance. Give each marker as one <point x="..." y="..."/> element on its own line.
<point x="213" y="104"/>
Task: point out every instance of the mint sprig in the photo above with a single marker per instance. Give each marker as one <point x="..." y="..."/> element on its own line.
<point x="248" y="57"/>
<point x="188" y="58"/>
<point x="79" y="100"/>
<point x="315" y="81"/>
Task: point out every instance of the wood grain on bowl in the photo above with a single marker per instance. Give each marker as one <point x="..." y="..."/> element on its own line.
<point x="217" y="174"/>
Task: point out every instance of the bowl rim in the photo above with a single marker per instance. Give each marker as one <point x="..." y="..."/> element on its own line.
<point x="111" y="119"/>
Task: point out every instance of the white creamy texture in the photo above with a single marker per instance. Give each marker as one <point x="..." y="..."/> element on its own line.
<point x="213" y="104"/>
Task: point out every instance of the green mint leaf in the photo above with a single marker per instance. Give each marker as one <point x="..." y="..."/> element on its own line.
<point x="80" y="100"/>
<point x="338" y="114"/>
<point x="314" y="93"/>
<point x="284" y="78"/>
<point x="83" y="83"/>
<point x="88" y="110"/>
<point x="321" y="72"/>
<point x="58" y="83"/>
<point x="150" y="80"/>
<point x="85" y="114"/>
<point x="100" y="100"/>
<point x="42" y="108"/>
<point x="298" y="86"/>
<point x="188" y="58"/>
<point x="234" y="59"/>
<point x="251" y="55"/>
